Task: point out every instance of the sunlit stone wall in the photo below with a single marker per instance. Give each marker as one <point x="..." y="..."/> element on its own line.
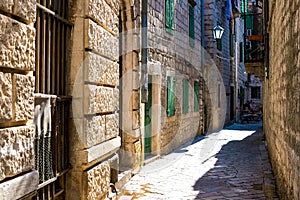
<point x="94" y="80"/>
<point x="282" y="96"/>
<point x="17" y="63"/>
<point x="172" y="54"/>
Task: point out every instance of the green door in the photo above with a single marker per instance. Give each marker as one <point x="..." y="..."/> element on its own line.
<point x="148" y="106"/>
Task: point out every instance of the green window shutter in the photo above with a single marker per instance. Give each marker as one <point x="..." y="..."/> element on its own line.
<point x="241" y="52"/>
<point x="185" y="96"/>
<point x="196" y="96"/>
<point x="170" y="96"/>
<point x="249" y="21"/>
<point x="242" y="6"/>
<point x="219" y="44"/>
<point x="169" y="16"/>
<point x="191" y="25"/>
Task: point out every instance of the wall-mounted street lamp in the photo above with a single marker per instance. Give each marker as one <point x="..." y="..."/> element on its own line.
<point x="218" y="32"/>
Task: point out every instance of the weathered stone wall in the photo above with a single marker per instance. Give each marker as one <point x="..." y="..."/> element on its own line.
<point x="94" y="81"/>
<point x="98" y="180"/>
<point x="17" y="150"/>
<point x="26" y="10"/>
<point x="17" y="61"/>
<point x="281" y="96"/>
<point x="214" y="12"/>
<point x="130" y="115"/>
<point x="181" y="60"/>
<point x="242" y="77"/>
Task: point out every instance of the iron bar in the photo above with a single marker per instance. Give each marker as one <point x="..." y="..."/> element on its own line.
<point x="53" y="31"/>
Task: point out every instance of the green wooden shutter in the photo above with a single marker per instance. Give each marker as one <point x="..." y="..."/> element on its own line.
<point x="147" y="119"/>
<point x="185" y="96"/>
<point x="219" y="44"/>
<point x="169" y="16"/>
<point x="242" y="6"/>
<point x="191" y="25"/>
<point x="249" y="21"/>
<point x="170" y="96"/>
<point x="241" y="52"/>
<point x="196" y="96"/>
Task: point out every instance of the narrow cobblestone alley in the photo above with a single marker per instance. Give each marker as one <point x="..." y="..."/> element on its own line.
<point x="230" y="164"/>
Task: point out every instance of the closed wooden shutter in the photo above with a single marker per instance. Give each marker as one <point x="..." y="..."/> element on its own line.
<point x="249" y="21"/>
<point x="185" y="96"/>
<point x="241" y="52"/>
<point x="191" y="25"/>
<point x="244" y="6"/>
<point x="169" y="16"/>
<point x="219" y="44"/>
<point x="171" y="96"/>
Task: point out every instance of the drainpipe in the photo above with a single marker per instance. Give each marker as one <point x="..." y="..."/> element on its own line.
<point x="245" y="31"/>
<point x="244" y="40"/>
<point x="236" y="70"/>
<point x="203" y="60"/>
<point x="202" y="32"/>
<point x="144" y="75"/>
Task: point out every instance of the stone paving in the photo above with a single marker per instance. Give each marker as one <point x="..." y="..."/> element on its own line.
<point x="230" y="164"/>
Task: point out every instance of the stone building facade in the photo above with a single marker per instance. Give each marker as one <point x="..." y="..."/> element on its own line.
<point x="175" y="75"/>
<point x="71" y="111"/>
<point x="222" y="56"/>
<point x="66" y="51"/>
<point x="17" y="63"/>
<point x="130" y="86"/>
<point x="281" y="95"/>
<point x="93" y="85"/>
<point x="240" y="67"/>
<point x="73" y="76"/>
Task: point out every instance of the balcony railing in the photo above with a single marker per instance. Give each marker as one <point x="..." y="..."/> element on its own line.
<point x="254" y="40"/>
<point x="254" y="49"/>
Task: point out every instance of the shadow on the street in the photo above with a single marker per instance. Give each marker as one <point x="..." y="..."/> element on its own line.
<point x="182" y="149"/>
<point x="245" y="127"/>
<point x="240" y="170"/>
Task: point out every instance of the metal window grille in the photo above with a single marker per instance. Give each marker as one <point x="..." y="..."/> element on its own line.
<point x="53" y="33"/>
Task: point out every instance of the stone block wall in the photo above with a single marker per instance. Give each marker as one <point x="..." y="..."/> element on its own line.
<point x="215" y="12"/>
<point x="130" y="88"/>
<point x="98" y="180"/>
<point x="241" y="67"/>
<point x="177" y="58"/>
<point x="94" y="81"/>
<point x="17" y="63"/>
<point x="282" y="96"/>
<point x="17" y="150"/>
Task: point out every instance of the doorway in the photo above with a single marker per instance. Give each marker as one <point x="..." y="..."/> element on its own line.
<point x="232" y="110"/>
<point x="148" y="121"/>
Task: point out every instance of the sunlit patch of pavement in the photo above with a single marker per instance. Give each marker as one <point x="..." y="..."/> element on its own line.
<point x="175" y="175"/>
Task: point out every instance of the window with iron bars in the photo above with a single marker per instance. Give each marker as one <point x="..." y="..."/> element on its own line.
<point x="53" y="33"/>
